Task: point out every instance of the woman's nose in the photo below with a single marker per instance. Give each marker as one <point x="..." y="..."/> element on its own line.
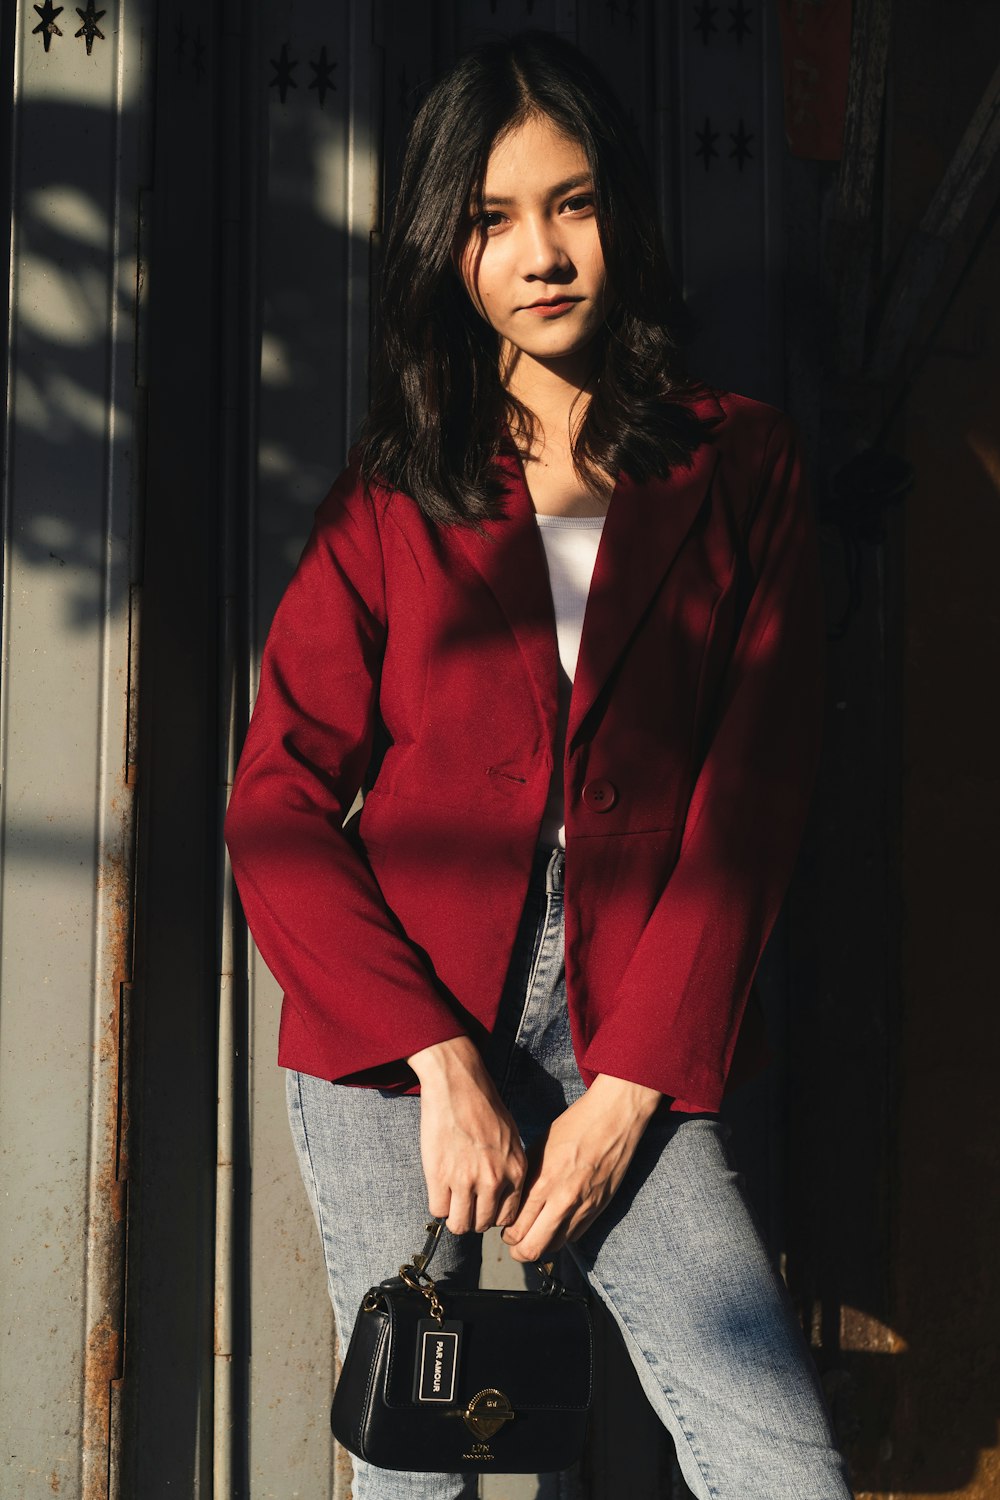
<point x="544" y="250"/>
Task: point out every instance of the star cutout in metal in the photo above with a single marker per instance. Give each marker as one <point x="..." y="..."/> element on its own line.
<point x="89" y="30"/>
<point x="283" y="80"/>
<point x="706" y="143"/>
<point x="741" y="148"/>
<point x="705" y="23"/>
<point x="324" y="80"/>
<point x="47" y="26"/>
<point x="741" y="14"/>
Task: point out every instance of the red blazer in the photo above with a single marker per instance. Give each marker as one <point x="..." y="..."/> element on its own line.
<point x="691" y="750"/>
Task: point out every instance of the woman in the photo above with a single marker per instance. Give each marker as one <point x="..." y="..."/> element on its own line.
<point x="514" y="985"/>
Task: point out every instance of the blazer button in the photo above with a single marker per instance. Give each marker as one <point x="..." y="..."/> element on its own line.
<point x="600" y="795"/>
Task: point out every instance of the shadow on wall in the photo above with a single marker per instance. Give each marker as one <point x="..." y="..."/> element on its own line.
<point x="62" y="373"/>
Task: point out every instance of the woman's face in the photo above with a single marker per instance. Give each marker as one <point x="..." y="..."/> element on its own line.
<point x="532" y="262"/>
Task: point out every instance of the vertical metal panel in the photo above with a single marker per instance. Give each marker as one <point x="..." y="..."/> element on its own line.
<point x="729" y="145"/>
<point x="168" y="1386"/>
<point x="241" y="111"/>
<point x="322" y="77"/>
<point x="66" y="804"/>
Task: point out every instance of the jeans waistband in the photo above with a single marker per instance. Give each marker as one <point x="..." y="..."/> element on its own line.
<point x="548" y="870"/>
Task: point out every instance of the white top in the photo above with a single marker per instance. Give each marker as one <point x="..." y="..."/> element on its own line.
<point x="570" y="544"/>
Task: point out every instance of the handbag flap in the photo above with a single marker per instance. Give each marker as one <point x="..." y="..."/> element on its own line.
<point x="533" y="1346"/>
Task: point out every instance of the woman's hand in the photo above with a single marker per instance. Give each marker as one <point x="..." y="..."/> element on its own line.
<point x="578" y="1168"/>
<point x="473" y="1159"/>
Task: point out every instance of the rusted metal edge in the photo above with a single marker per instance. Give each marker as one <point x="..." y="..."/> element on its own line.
<point x="132" y="690"/>
<point x="224" y="1415"/>
<point x="870" y="28"/>
<point x="851" y="233"/>
<point x="114" y="907"/>
<point x="108" y="1194"/>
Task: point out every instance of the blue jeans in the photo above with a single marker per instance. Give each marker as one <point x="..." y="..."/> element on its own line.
<point x="676" y="1258"/>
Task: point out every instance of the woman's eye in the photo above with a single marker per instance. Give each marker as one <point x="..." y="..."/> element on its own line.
<point x="489" y="219"/>
<point x="583" y="200"/>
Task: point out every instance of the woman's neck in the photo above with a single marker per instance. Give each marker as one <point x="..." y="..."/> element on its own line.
<point x="556" y="392"/>
<point x="557" y="396"/>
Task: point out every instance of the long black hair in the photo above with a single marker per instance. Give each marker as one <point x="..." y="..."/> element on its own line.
<point x="438" y="406"/>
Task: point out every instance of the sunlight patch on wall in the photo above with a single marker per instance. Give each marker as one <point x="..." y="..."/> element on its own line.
<point x="275" y="461"/>
<point x="70" y="212"/>
<point x="988" y="454"/>
<point x="275" y="361"/>
<point x="862" y="1331"/>
<point x="64" y="407"/>
<point x="330" y="164"/>
<point x="69" y="306"/>
<point x="310" y="166"/>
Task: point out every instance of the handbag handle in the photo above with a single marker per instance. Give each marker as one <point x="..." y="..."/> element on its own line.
<point x="414" y="1275"/>
<point x="419" y="1263"/>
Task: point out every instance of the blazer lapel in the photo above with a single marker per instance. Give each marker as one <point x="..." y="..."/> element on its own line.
<point x="645" y="528"/>
<point x="511" y="559"/>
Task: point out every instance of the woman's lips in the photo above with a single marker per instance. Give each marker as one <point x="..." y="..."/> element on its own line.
<point x="552" y="309"/>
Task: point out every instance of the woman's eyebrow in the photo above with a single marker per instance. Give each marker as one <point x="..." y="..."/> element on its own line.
<point x="493" y="200"/>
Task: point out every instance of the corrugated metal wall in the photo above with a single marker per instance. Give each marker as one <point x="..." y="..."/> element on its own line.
<point x="192" y="202"/>
<point x="69" y="639"/>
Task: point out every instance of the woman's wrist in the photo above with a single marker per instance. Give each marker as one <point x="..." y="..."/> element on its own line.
<point x="635" y="1099"/>
<point x="458" y="1054"/>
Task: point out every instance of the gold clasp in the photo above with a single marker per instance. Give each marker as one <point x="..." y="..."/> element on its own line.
<point x="419" y="1281"/>
<point x="486" y="1413"/>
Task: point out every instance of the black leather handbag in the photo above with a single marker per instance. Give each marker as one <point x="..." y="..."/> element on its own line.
<point x="452" y="1381"/>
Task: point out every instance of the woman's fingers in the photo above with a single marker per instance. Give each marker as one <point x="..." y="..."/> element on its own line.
<point x="473" y="1159"/>
<point x="541" y="1227"/>
<point x="467" y="1201"/>
<point x="507" y="1210"/>
<point x="578" y="1167"/>
<point x="479" y="1209"/>
<point x="557" y="1209"/>
<point x="486" y="1211"/>
<point x="438" y="1199"/>
<point x="462" y="1213"/>
<point x="497" y="1197"/>
<point x="471" y="1182"/>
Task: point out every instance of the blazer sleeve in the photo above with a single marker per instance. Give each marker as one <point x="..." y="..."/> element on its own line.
<point x="358" y="987"/>
<point x="676" y="1013"/>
